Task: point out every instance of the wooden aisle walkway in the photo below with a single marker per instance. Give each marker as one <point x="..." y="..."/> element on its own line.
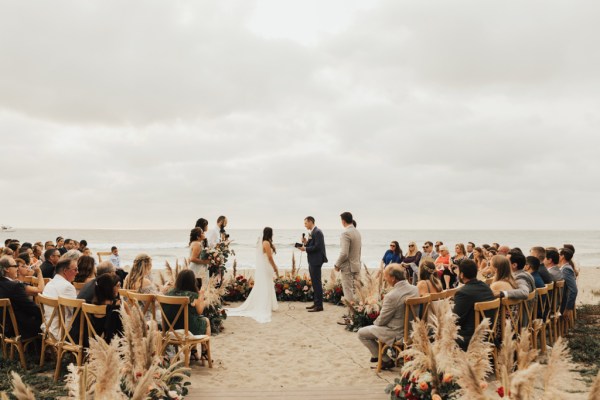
<point x="345" y="393"/>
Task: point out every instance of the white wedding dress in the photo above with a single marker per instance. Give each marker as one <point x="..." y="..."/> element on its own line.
<point x="262" y="299"/>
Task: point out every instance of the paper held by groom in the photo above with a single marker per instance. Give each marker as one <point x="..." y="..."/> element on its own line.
<point x="316" y="254"/>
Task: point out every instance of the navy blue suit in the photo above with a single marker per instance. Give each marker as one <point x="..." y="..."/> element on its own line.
<point x="315" y="252"/>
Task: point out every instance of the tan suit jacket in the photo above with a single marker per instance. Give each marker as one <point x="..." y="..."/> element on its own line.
<point x="350" y="248"/>
<point x="389" y="326"/>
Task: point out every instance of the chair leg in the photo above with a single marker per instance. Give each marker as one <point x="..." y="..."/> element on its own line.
<point x="59" y="355"/>
<point x="186" y="354"/>
<point x="382" y="347"/>
<point x="21" y="350"/>
<point x="43" y="355"/>
<point x="209" y="358"/>
<point x="543" y="340"/>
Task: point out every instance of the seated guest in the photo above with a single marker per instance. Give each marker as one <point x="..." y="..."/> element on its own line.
<point x="573" y="263"/>
<point x="428" y="251"/>
<point x="70" y="255"/>
<point x="138" y="280"/>
<point x="503" y="280"/>
<point x="392" y="255"/>
<point x="540" y="253"/>
<point x="86" y="270"/>
<point x="479" y="259"/>
<point x="428" y="278"/>
<point x="473" y="291"/>
<point x="88" y="290"/>
<point x="568" y="270"/>
<point x="107" y="293"/>
<point x="23" y="271"/>
<point x="551" y="263"/>
<point x="27" y="313"/>
<point x="532" y="266"/>
<point x="445" y="272"/>
<point x="51" y="257"/>
<point x="389" y="325"/>
<point x="186" y="286"/>
<point x="525" y="282"/>
<point x="411" y="261"/>
<point x="61" y="285"/>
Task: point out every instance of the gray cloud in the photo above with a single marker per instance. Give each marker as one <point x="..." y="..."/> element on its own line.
<point x="416" y="115"/>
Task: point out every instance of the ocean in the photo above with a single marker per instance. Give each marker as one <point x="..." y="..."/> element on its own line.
<point x="172" y="245"/>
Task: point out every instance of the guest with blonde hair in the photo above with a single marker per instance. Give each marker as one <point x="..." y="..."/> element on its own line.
<point x="138" y="279"/>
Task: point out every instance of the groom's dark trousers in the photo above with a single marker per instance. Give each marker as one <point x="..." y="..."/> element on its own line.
<point x="315" y="252"/>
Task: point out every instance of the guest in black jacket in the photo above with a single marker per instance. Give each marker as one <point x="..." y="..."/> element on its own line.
<point x="48" y="267"/>
<point x="28" y="316"/>
<point x="473" y="291"/>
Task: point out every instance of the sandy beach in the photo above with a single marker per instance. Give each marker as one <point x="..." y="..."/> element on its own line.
<point x="309" y="350"/>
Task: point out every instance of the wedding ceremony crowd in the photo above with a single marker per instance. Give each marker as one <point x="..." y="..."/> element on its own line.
<point x="538" y="284"/>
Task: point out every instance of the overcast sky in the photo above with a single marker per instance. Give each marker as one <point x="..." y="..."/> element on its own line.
<point x="410" y="114"/>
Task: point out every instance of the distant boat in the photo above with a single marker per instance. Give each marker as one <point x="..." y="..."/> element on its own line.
<point x="6" y="228"/>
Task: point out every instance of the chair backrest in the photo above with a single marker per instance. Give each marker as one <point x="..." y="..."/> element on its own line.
<point x="78" y="286"/>
<point x="46" y="280"/>
<point x="147" y="300"/>
<point x="557" y="295"/>
<point x="28" y="279"/>
<point x="437" y="296"/>
<point x="544" y="302"/>
<point x="415" y="308"/>
<point x="6" y="310"/>
<point x="529" y="310"/>
<point x="44" y="302"/>
<point x="483" y="310"/>
<point x="489" y="281"/>
<point x="123" y="294"/>
<point x="450" y="293"/>
<point x="511" y="310"/>
<point x="74" y="305"/>
<point x="90" y="311"/>
<point x="103" y="253"/>
<point x="169" y="325"/>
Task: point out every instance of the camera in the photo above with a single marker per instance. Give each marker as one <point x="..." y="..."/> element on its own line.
<point x="298" y="245"/>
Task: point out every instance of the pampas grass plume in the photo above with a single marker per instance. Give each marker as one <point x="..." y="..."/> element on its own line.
<point x="20" y="390"/>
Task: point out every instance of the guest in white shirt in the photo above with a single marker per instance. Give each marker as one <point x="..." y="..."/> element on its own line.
<point x="61" y="285"/>
<point x="215" y="235"/>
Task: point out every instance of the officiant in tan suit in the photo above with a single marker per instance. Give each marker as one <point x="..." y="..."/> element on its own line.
<point x="349" y="260"/>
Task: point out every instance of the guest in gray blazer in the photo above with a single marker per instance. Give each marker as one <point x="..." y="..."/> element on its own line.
<point x="389" y="326"/>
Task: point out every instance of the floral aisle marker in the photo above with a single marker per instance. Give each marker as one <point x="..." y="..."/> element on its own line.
<point x="332" y="288"/>
<point x="213" y="309"/>
<point x="430" y="368"/>
<point x="369" y="293"/>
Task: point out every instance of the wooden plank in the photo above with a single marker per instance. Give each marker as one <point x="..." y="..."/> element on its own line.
<point x="299" y="393"/>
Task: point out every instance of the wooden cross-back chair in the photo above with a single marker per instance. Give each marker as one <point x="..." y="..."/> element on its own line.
<point x="415" y="308"/>
<point x="90" y="311"/>
<point x="528" y="311"/>
<point x="48" y="339"/>
<point x="181" y="338"/>
<point x="542" y="308"/>
<point x="512" y="311"/>
<point x="555" y="315"/>
<point x="78" y="286"/>
<point x="450" y="293"/>
<point x="146" y="302"/>
<point x="103" y="253"/>
<point x="12" y="338"/>
<point x="67" y="343"/>
<point x="489" y="309"/>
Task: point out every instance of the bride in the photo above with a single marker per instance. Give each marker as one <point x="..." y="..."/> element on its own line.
<point x="262" y="299"/>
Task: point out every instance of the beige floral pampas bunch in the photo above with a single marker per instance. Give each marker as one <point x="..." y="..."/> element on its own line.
<point x="171" y="273"/>
<point x="212" y="293"/>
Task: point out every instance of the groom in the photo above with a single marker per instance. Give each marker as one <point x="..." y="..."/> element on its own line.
<point x="315" y="252"/>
